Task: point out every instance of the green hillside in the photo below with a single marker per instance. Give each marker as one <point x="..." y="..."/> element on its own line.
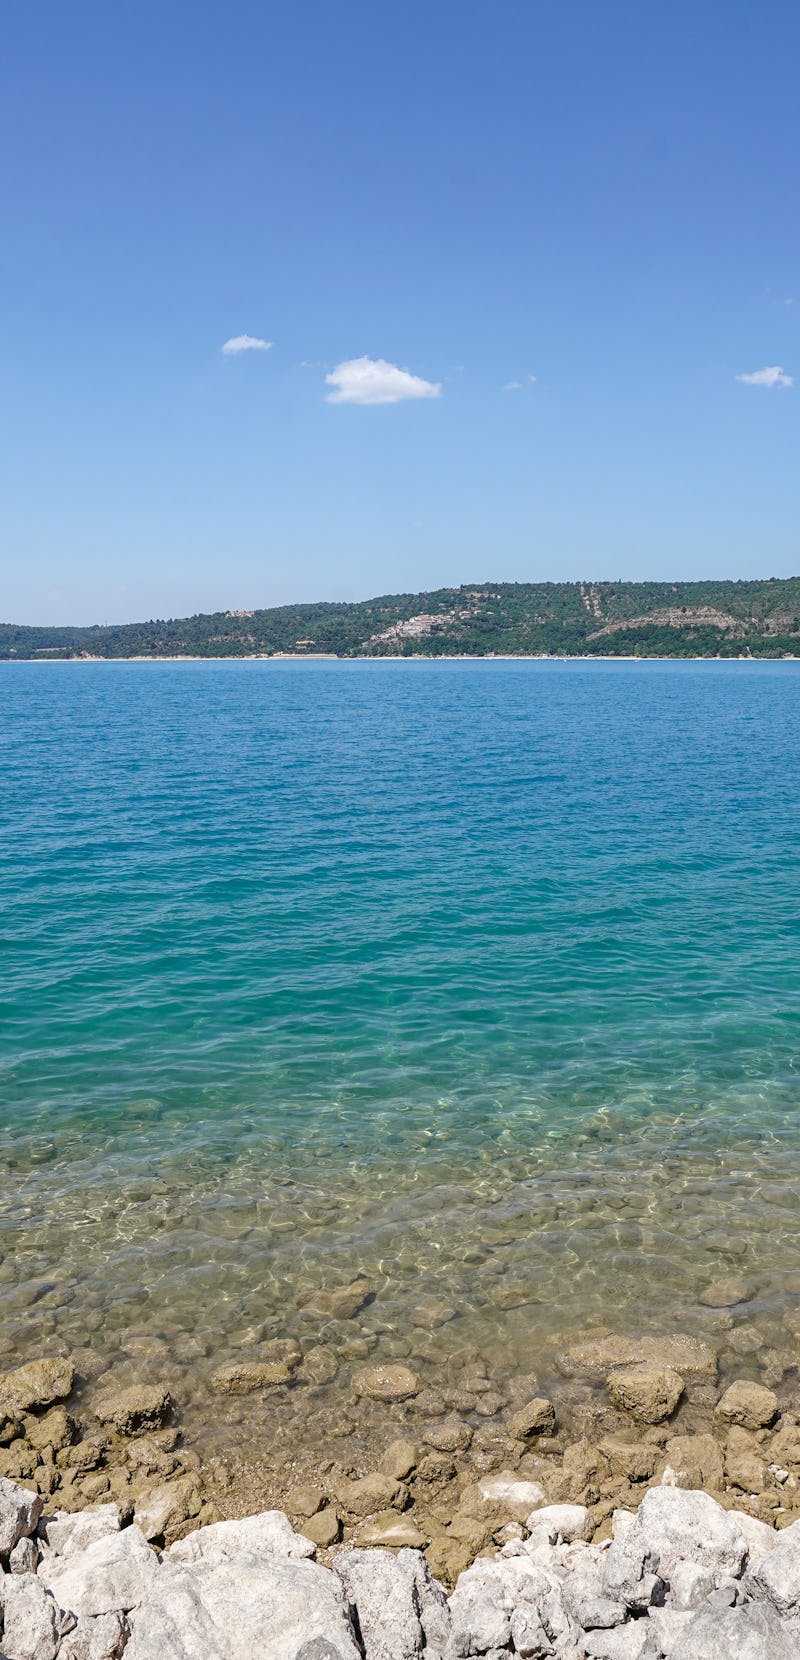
<point x="644" y="619"/>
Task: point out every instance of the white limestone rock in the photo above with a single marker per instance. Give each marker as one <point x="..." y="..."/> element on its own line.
<point x="775" y="1578"/>
<point x="20" y="1510"/>
<point x="748" y="1633"/>
<point x="674" y="1525"/>
<point x="65" y="1534"/>
<point x="24" y="1558"/>
<point x="237" y="1608"/>
<point x="384" y="1593"/>
<point x="103" y="1638"/>
<point x="32" y="1622"/>
<point x="565" y="1522"/>
<point x="268" y="1534"/>
<point x="489" y="1593"/>
<point x="112" y="1575"/>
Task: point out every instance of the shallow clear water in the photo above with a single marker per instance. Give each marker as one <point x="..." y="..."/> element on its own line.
<point x="481" y="978"/>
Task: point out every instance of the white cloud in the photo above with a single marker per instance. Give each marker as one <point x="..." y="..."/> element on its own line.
<point x="246" y="343"/>
<point x="513" y="386"/>
<point x="775" y="376"/>
<point x="369" y="380"/>
<point x="532" y="379"/>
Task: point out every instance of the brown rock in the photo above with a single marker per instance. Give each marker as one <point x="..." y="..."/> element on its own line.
<point x="749" y="1405"/>
<point x="537" y="1417"/>
<point x="341" y="1302"/>
<point x="502" y="1496"/>
<point x="376" y="1491"/>
<point x="435" y="1468"/>
<point x="489" y="1404"/>
<point x="649" y="1393"/>
<point x="784" y="1447"/>
<point x="246" y="1376"/>
<point x="304" y="1501"/>
<point x="320" y="1365"/>
<point x="283" y="1351"/>
<point x="687" y="1356"/>
<point x="387" y="1383"/>
<point x="132" y="1411"/>
<point x="400" y="1458"/>
<point x="54" y="1431"/>
<point x="395" y="1532"/>
<point x="744" y="1465"/>
<point x="323" y="1528"/>
<point x="451" y="1435"/>
<point x="633" y="1460"/>
<point x="38" y="1384"/>
<point x="696" y="1461"/>
<point x="726" y="1293"/>
<point x="164" y="1508"/>
<point x="447" y="1557"/>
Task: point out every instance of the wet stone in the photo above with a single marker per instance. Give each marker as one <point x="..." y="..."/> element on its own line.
<point x="749" y="1405"/>
<point x="648" y="1393"/>
<point x="387" y="1383"/>
<point x="137" y="1409"/>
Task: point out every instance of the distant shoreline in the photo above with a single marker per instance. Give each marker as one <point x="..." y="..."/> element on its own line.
<point x="417" y="657"/>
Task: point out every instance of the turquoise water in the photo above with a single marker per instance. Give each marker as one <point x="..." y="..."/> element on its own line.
<point x="479" y="978"/>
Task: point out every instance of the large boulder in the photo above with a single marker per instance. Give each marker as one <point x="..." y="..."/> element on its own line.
<point x="597" y="1356"/>
<point x="103" y="1638"/>
<point x="38" y="1384"/>
<point x="135" y="1410"/>
<point x="114" y="1574"/>
<point x="66" y="1533"/>
<point x="649" y="1393"/>
<point x="489" y="1594"/>
<point x="775" y="1577"/>
<point x="384" y="1591"/>
<point x="20" y="1510"/>
<point x="242" y="1607"/>
<point x="672" y="1526"/>
<point x="32" y="1621"/>
<point x="268" y="1534"/>
<point x="748" y="1404"/>
<point x="748" y="1633"/>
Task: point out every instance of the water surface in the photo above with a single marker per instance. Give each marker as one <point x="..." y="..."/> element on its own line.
<point x="478" y="978"/>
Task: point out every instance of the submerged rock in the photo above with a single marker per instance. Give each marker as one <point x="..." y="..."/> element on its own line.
<point x="244" y="1377"/>
<point x="387" y="1383"/>
<point x="341" y="1302"/>
<point x="597" y="1356"/>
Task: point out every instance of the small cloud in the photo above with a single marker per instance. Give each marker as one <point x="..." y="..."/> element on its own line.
<point x="367" y="380"/>
<point x="775" y="376"/>
<point x="532" y="379"/>
<point x="513" y="386"/>
<point x="246" y="343"/>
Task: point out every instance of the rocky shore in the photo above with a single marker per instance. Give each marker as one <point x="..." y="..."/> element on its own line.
<point x="481" y="1521"/>
<point x="680" y="1579"/>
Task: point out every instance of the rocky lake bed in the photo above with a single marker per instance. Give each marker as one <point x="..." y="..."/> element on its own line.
<point x="646" y="1505"/>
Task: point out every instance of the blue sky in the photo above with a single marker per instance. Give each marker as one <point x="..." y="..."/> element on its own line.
<point x="603" y="197"/>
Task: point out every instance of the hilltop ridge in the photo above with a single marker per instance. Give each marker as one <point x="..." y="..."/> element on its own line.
<point x="561" y="619"/>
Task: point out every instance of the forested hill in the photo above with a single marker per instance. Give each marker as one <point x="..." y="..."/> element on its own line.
<point x="644" y="619"/>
